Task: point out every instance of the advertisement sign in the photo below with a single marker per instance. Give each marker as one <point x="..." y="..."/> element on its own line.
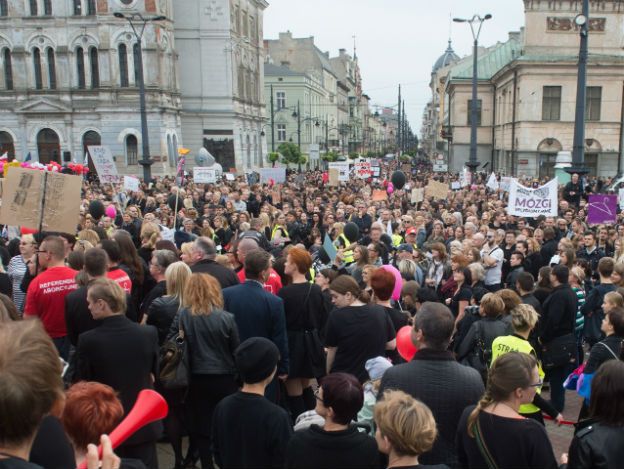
<point x="527" y="202"/>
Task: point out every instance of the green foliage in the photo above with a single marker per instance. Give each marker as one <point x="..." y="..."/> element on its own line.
<point x="330" y="156"/>
<point x="404" y="158"/>
<point x="353" y="155"/>
<point x="273" y="157"/>
<point x="371" y="154"/>
<point x="291" y="154"/>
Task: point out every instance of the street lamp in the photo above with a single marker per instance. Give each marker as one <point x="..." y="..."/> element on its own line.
<point x="475" y="21"/>
<point x="138" y="23"/>
<point x="578" y="146"/>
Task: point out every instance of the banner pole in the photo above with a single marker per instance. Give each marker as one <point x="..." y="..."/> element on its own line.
<point x="43" y="195"/>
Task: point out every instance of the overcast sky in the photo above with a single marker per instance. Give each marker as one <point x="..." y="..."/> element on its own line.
<point x="397" y="41"/>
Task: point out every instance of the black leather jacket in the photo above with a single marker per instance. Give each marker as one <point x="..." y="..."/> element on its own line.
<point x="597" y="446"/>
<point x="211" y="338"/>
<point x="160" y="314"/>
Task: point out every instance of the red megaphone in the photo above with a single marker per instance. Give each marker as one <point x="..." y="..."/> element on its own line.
<point x="149" y="407"/>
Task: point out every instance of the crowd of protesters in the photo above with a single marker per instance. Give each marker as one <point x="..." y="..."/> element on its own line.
<point x="291" y="298"/>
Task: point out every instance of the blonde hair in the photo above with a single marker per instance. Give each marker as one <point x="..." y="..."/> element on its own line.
<point x="109" y="291"/>
<point x="150" y="234"/>
<point x="202" y="294"/>
<point x="578" y="273"/>
<point x="176" y="276"/>
<point x="524" y="318"/>
<point x="614" y="298"/>
<point x="407" y="423"/>
<point x="187" y="248"/>
<point x="90" y="236"/>
<point x="492" y="305"/>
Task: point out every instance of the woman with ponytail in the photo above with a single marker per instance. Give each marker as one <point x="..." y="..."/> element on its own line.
<point x="493" y="434"/>
<point x="356" y="331"/>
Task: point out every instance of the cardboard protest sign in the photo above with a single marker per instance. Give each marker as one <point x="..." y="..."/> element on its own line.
<point x="418" y="195"/>
<point x="602" y="208"/>
<point x="437" y="190"/>
<point x="343" y="170"/>
<point x="277" y="174"/>
<point x="23" y="194"/>
<point x="202" y="175"/>
<point x="379" y="194"/>
<point x="131" y="183"/>
<point x="104" y="163"/>
<point x="334" y="176"/>
<point x="527" y="202"/>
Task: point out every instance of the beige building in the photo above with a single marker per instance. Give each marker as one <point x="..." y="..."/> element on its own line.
<point x="527" y="93"/>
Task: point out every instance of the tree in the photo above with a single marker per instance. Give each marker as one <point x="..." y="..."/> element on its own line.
<point x="330" y="156"/>
<point x="353" y="155"/>
<point x="273" y="158"/>
<point x="291" y="154"/>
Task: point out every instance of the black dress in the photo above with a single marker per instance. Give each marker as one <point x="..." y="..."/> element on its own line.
<point x="306" y="313"/>
<point x="464" y="294"/>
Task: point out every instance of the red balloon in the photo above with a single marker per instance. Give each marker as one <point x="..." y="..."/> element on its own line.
<point x="405" y="346"/>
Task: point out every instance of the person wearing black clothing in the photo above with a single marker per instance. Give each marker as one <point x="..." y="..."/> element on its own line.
<point x="559" y="320"/>
<point x="305" y="312"/>
<point x="203" y="254"/>
<point x="363" y="220"/>
<point x="549" y="248"/>
<point x="592" y="308"/>
<point x="573" y="190"/>
<point x="435" y="378"/>
<point x="248" y="429"/>
<point x="590" y="251"/>
<point x="161" y="259"/>
<point x="462" y="294"/>
<point x="338" y="443"/>
<point x="51" y="448"/>
<point x="524" y="286"/>
<point x="515" y="269"/>
<point x="123" y="355"/>
<point x="355" y="331"/>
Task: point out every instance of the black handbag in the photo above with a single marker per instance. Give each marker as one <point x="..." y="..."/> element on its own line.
<point x="559" y="352"/>
<point x="175" y="370"/>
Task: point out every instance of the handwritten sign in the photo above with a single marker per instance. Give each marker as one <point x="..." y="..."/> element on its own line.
<point x="104" y="163"/>
<point x="202" y="175"/>
<point x="437" y="190"/>
<point x="62" y="203"/>
<point x="131" y="183"/>
<point x="418" y="195"/>
<point x="363" y="170"/>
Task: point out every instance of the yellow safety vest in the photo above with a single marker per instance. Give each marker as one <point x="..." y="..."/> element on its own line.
<point x="396" y="239"/>
<point x="312" y="274"/>
<point x="347" y="254"/>
<point x="511" y="343"/>
<point x="279" y="227"/>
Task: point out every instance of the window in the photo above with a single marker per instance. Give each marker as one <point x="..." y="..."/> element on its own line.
<point x="8" y="69"/>
<point x="245" y="24"/>
<point x="4" y="8"/>
<point x="80" y="69"/>
<point x="136" y="54"/>
<point x="91" y="10"/>
<point x="51" y="69"/>
<point x="132" y="150"/>
<point x="47" y="7"/>
<point x="551" y="103"/>
<point x="470" y="112"/>
<point x="281" y="132"/>
<point x="280" y="96"/>
<point x="95" y="67"/>
<point x="123" y="65"/>
<point x="78" y="7"/>
<point x="33" y="7"/>
<point x="37" y="66"/>
<point x="593" y="98"/>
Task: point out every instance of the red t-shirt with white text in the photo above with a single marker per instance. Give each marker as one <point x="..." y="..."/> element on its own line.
<point x="45" y="298"/>
<point x="119" y="276"/>
<point x="272" y="285"/>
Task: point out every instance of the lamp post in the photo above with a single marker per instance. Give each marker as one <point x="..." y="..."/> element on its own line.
<point x="475" y="21"/>
<point x="137" y="23"/>
<point x="578" y="146"/>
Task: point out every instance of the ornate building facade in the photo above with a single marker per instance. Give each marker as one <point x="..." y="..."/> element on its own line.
<point x="69" y="80"/>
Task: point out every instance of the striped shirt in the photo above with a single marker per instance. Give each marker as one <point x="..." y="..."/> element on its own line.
<point x="17" y="270"/>
<point x="580" y="319"/>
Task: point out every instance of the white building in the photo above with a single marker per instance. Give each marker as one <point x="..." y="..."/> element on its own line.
<point x="68" y="80"/>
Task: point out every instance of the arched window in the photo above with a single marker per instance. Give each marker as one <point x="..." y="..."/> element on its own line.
<point x="8" y="69"/>
<point x="48" y="146"/>
<point x="77" y="7"/>
<point x="137" y="63"/>
<point x="132" y="150"/>
<point x="80" y="69"/>
<point x="37" y="66"/>
<point x="95" y="67"/>
<point x="4" y="8"/>
<point x="47" y="7"/>
<point x="33" y="7"/>
<point x="91" y="10"/>
<point x="123" y="65"/>
<point x="51" y="68"/>
<point x="7" y="146"/>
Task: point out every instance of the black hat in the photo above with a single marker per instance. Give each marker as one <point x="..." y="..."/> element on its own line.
<point x="256" y="358"/>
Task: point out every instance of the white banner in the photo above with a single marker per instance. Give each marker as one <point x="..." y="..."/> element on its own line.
<point x="343" y="170"/>
<point x="492" y="182"/>
<point x="202" y="175"/>
<point x="526" y="202"/>
<point x="363" y="170"/>
<point x="131" y="183"/>
<point x="277" y="174"/>
<point x="104" y="163"/>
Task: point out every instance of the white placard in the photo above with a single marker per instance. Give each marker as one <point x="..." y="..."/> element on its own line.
<point x="527" y="202"/>
<point x="363" y="170"/>
<point x="440" y="168"/>
<point x="277" y="174"/>
<point x="104" y="163"/>
<point x="505" y="183"/>
<point x="131" y="183"/>
<point x="343" y="170"/>
<point x="492" y="182"/>
<point x="230" y="177"/>
<point x="455" y="185"/>
<point x="621" y="198"/>
<point x="202" y="175"/>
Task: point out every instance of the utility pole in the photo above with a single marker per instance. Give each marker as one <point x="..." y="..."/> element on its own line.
<point x="272" y="122"/>
<point x="404" y="133"/>
<point x="298" y="125"/>
<point x="399" y="125"/>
